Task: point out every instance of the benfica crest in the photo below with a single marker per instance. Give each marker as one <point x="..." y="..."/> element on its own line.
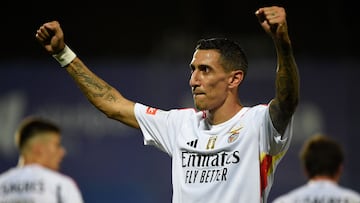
<point x="234" y="134"/>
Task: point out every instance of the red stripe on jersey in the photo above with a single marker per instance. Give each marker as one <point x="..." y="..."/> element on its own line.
<point x="264" y="169"/>
<point x="204" y="114"/>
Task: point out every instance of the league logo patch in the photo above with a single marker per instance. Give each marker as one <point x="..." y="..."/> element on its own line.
<point x="234" y="134"/>
<point x="151" y="110"/>
<point x="211" y="142"/>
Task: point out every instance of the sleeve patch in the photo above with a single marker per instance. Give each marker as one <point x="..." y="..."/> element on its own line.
<point x="151" y="111"/>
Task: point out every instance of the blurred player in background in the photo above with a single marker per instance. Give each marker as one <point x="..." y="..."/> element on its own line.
<point x="37" y="179"/>
<point x="322" y="159"/>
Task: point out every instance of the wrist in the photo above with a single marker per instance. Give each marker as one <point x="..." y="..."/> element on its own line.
<point x="65" y="57"/>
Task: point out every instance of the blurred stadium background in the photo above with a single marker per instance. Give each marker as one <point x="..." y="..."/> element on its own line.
<point x="143" y="48"/>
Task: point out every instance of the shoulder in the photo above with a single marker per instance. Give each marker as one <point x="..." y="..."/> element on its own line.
<point x="51" y="175"/>
<point x="257" y="107"/>
<point x="32" y="172"/>
<point x="285" y="198"/>
<point x="153" y="111"/>
<point x="8" y="173"/>
<point x="350" y="192"/>
<point x="255" y="111"/>
<point x="291" y="195"/>
<point x="66" y="186"/>
<point x="281" y="199"/>
<point x="59" y="176"/>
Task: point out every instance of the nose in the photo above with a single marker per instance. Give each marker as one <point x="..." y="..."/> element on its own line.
<point x="63" y="151"/>
<point x="194" y="79"/>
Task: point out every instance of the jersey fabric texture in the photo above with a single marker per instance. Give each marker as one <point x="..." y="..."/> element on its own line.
<point x="232" y="162"/>
<point x="36" y="184"/>
<point x="320" y="191"/>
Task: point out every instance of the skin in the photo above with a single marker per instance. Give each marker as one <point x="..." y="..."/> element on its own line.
<point x="335" y="178"/>
<point x="44" y="149"/>
<point x="213" y="89"/>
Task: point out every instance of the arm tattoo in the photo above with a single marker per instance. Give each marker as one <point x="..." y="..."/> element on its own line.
<point x="287" y="91"/>
<point x="91" y="85"/>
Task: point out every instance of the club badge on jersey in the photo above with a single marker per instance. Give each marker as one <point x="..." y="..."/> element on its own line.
<point x="234" y="134"/>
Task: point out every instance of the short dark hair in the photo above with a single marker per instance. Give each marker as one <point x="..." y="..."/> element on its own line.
<point x="32" y="126"/>
<point x="232" y="55"/>
<point x="321" y="155"/>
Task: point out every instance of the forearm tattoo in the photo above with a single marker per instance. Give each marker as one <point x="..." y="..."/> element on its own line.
<point x="287" y="86"/>
<point x="92" y="86"/>
<point x="287" y="91"/>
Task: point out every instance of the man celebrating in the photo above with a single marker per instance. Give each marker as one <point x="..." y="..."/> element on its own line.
<point x="221" y="151"/>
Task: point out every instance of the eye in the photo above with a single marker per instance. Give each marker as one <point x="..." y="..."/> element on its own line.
<point x="204" y="68"/>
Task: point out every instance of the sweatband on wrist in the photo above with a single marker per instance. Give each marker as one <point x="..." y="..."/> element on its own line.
<point x="65" y="56"/>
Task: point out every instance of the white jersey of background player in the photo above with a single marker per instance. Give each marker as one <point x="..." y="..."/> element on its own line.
<point x="322" y="159"/>
<point x="320" y="191"/>
<point x="226" y="155"/>
<point x="36" y="179"/>
<point x="37" y="184"/>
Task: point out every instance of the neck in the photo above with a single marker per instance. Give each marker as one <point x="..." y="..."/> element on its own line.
<point x="223" y="114"/>
<point x="21" y="161"/>
<point x="323" y="177"/>
<point x="27" y="160"/>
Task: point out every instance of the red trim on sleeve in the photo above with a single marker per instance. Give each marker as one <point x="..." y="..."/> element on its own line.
<point x="264" y="169"/>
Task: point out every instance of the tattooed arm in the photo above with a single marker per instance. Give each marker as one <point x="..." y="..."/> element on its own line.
<point x="283" y="106"/>
<point x="103" y="96"/>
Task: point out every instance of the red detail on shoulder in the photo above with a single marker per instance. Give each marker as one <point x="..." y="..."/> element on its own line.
<point x="264" y="169"/>
<point x="204" y="114"/>
<point x="151" y="110"/>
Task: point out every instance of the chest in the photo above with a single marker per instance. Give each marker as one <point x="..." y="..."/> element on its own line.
<point x="226" y="137"/>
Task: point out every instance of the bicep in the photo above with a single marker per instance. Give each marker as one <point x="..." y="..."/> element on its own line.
<point x="123" y="111"/>
<point x="279" y="118"/>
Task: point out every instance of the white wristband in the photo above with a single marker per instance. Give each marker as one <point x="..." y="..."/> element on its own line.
<point x="65" y="56"/>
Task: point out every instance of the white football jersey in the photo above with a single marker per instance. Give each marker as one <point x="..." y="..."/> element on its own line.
<point x="232" y="162"/>
<point x="36" y="184"/>
<point x="320" y="191"/>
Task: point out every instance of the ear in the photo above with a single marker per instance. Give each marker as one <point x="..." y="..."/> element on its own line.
<point x="37" y="148"/>
<point x="236" y="77"/>
<point x="337" y="176"/>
